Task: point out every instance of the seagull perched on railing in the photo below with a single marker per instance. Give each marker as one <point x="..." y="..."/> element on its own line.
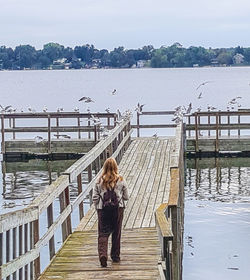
<point x="95" y="120"/>
<point x="7" y="109"/>
<point x="107" y="110"/>
<point x="31" y="110"/>
<point x="39" y="139"/>
<point x="139" y="107"/>
<point x="59" y="109"/>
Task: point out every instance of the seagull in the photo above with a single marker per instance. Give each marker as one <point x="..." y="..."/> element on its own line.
<point x="38" y="139"/>
<point x="59" y="109"/>
<point x="86" y="99"/>
<point x="114" y="92"/>
<point x="155" y="135"/>
<point x="139" y="108"/>
<point x="31" y="110"/>
<point x="119" y="114"/>
<point x="83" y="98"/>
<point x="95" y="120"/>
<point x="45" y="109"/>
<point x="5" y="109"/>
<point x="107" y="110"/>
<point x="76" y="109"/>
<point x="189" y="108"/>
<point x="202" y="84"/>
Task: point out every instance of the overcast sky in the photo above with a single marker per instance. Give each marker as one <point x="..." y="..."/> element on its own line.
<point x="129" y="23"/>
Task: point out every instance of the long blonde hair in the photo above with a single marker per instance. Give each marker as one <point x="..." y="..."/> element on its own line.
<point x="110" y="174"/>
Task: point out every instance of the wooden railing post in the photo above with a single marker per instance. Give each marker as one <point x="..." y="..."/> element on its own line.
<point x="79" y="187"/>
<point x="14" y="236"/>
<point x="68" y="220"/>
<point x="228" y="122"/>
<point x="50" y="222"/>
<point x="239" y="125"/>
<point x="62" y="207"/>
<point x="36" y="239"/>
<point x="14" y="126"/>
<point x="79" y="124"/>
<point x="49" y="134"/>
<point x="7" y="247"/>
<point x="217" y="134"/>
<point x="2" y="132"/>
<point x="57" y="126"/>
<point x="196" y="133"/>
<point x="26" y="249"/>
<point x="138" y="124"/>
<point x="209" y="121"/>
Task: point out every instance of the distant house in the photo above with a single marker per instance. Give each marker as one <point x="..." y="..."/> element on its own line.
<point x="238" y="58"/>
<point x="214" y="62"/>
<point x="140" y="63"/>
<point x="59" y="63"/>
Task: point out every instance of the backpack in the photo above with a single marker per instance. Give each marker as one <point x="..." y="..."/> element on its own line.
<point x="109" y="214"/>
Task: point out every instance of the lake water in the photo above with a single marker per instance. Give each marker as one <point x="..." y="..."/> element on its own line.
<point x="217" y="206"/>
<point x="217" y="220"/>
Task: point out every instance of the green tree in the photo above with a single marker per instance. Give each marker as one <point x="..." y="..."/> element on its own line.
<point x="53" y="51"/>
<point x="225" y="58"/>
<point x="25" y="56"/>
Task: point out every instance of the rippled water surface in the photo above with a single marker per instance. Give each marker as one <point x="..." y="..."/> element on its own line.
<point x="217" y="220"/>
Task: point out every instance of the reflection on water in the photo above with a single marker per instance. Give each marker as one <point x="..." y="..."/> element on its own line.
<point x="219" y="184"/>
<point x="22" y="181"/>
<point x="217" y="219"/>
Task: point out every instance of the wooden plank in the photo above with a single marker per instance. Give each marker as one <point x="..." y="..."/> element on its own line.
<point x="174" y="187"/>
<point x="156" y="186"/>
<point x="132" y="206"/>
<point x="19" y="217"/>
<point x="78" y="258"/>
<point x="162" y="223"/>
<point x="149" y="181"/>
<point x="153" y="126"/>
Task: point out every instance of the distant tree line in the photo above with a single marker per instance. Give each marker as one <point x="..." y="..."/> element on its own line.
<point x="56" y="56"/>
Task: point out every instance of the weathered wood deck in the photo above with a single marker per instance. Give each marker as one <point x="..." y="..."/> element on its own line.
<point x="146" y="168"/>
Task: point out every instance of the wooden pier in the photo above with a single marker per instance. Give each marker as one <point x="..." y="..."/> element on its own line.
<point x="153" y="221"/>
<point x="152" y="228"/>
<point x="221" y="132"/>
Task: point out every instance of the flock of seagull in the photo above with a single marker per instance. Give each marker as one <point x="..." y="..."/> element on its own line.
<point x="179" y="113"/>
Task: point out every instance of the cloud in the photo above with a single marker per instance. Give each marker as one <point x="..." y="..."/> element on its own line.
<point x="109" y="23"/>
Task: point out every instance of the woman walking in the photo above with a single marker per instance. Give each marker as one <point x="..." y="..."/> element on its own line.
<point x="109" y="195"/>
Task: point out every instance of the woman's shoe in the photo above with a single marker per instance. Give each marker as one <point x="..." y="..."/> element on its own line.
<point x="103" y="261"/>
<point x="116" y="259"/>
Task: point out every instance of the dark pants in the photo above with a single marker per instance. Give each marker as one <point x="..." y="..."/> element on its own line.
<point x="104" y="236"/>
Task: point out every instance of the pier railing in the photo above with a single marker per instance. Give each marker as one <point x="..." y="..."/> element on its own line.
<point x="20" y="238"/>
<point x="9" y="124"/>
<point x="170" y="216"/>
<point x="218" y="125"/>
<point x="139" y="126"/>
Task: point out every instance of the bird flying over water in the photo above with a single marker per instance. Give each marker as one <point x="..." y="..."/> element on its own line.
<point x="114" y="92"/>
<point x="86" y="99"/>
<point x="203" y="84"/>
<point x="200" y="96"/>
